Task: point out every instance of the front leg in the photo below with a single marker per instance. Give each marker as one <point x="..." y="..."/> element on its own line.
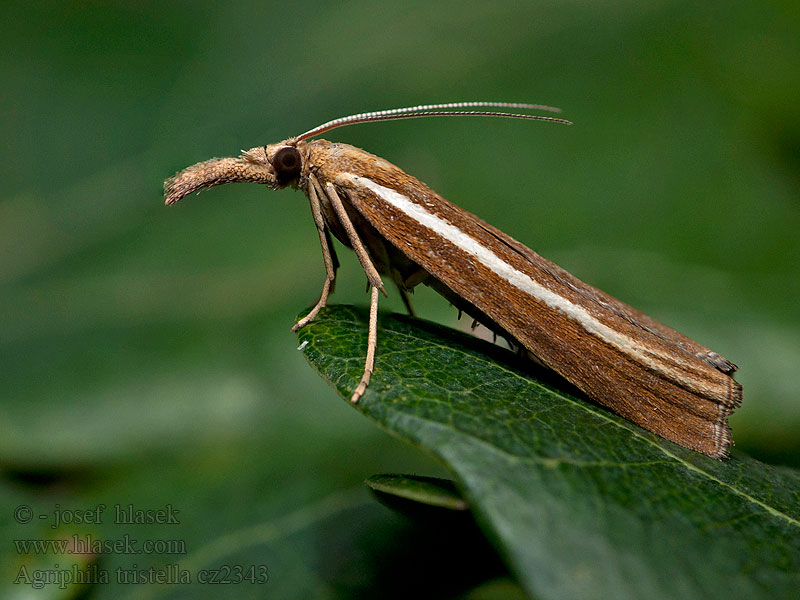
<point x="327" y="255"/>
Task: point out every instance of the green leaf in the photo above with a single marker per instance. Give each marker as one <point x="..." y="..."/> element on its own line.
<point x="581" y="502"/>
<point x="431" y="491"/>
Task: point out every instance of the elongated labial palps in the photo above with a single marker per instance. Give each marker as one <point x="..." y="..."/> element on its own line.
<point x="400" y="229"/>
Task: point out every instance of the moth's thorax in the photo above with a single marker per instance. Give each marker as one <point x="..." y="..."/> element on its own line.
<point x="329" y="159"/>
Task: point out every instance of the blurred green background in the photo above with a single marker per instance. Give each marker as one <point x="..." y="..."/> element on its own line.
<point x="146" y="356"/>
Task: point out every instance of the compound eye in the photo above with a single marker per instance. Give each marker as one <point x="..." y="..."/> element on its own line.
<point x="286" y="163"/>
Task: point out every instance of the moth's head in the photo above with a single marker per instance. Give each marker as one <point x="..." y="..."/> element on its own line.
<point x="276" y="165"/>
<point x="285" y="160"/>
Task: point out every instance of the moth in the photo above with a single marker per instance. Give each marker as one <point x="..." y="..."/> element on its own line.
<point x="405" y="232"/>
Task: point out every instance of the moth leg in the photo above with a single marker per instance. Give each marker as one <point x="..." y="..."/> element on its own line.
<point x="328" y="256"/>
<point x="372" y="342"/>
<point x="408" y="284"/>
<point x="406" y="301"/>
<point x="376" y="283"/>
<point x="334" y="258"/>
<point x="355" y="241"/>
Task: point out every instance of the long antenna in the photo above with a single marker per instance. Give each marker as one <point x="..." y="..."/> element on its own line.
<point x="437" y="110"/>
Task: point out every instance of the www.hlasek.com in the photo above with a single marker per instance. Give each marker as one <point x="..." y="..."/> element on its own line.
<point x="88" y="544"/>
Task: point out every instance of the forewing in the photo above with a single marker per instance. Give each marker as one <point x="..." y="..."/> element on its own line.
<point x="622" y="359"/>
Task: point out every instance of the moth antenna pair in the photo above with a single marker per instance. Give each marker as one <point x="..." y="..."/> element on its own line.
<point x="446" y="109"/>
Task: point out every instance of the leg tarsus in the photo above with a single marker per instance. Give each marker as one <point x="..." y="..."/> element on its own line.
<point x="323" y="299"/>
<point x="372" y="342"/>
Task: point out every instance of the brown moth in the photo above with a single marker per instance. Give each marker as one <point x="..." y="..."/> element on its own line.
<point x="401" y="229"/>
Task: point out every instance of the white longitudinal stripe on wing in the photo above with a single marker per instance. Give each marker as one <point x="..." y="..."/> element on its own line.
<point x="516" y="278"/>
